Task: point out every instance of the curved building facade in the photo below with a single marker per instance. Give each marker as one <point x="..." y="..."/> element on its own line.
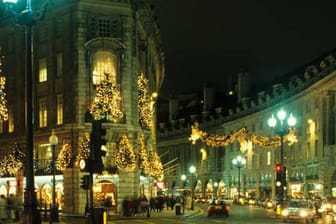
<point x="308" y="93"/>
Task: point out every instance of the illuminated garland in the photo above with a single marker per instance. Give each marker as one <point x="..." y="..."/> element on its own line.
<point x="84" y="149"/>
<point x="156" y="168"/>
<point x="3" y="100"/>
<point x="64" y="157"/>
<point x="143" y="155"/>
<point x="107" y="102"/>
<point x="241" y="136"/>
<point x="125" y="158"/>
<point x="145" y="103"/>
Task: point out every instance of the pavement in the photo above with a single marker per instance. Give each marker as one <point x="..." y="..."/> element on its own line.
<point x="77" y="219"/>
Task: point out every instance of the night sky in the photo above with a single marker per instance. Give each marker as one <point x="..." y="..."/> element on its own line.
<point x="209" y="40"/>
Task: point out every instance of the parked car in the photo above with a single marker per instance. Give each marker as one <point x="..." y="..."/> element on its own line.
<point x="298" y="210"/>
<point x="218" y="207"/>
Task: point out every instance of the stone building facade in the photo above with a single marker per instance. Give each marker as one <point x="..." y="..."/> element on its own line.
<point x="309" y="94"/>
<point x="73" y="45"/>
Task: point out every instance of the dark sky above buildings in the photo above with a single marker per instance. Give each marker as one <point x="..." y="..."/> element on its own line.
<point x="209" y="40"/>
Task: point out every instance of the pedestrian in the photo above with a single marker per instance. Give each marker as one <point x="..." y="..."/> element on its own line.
<point x="3" y="208"/>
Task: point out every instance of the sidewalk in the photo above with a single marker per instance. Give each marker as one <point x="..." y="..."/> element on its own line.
<point x="72" y="219"/>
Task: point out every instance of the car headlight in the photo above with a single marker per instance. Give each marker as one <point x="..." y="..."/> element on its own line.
<point x="284" y="212"/>
<point x="303" y="213"/>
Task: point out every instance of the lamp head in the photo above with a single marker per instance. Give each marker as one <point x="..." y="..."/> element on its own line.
<point x="272" y="121"/>
<point x="291" y="120"/>
<point x="281" y="114"/>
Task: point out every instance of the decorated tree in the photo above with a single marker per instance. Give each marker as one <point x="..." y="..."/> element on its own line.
<point x="64" y="157"/>
<point x="156" y="168"/>
<point x="125" y="158"/>
<point x="107" y="101"/>
<point x="143" y="155"/>
<point x="145" y="107"/>
<point x="84" y="148"/>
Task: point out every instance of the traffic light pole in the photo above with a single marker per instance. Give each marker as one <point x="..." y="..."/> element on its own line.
<point x="282" y="186"/>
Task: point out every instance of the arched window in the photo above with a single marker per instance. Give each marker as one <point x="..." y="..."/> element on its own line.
<point x="104" y="64"/>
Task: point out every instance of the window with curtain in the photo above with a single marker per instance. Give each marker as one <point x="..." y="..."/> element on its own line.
<point x="42" y="70"/>
<point x="43" y="112"/>
<point x="10" y="120"/>
<point x="59" y="109"/>
<point x="59" y="64"/>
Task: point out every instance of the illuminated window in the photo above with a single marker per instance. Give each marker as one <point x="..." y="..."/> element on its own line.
<point x="59" y="64"/>
<point x="104" y="63"/>
<point x="59" y="109"/>
<point x="43" y="112"/>
<point x="42" y="70"/>
<point x="10" y="120"/>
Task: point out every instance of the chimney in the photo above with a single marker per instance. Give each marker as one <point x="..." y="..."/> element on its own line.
<point x="208" y="95"/>
<point x="243" y="88"/>
<point x="173" y="108"/>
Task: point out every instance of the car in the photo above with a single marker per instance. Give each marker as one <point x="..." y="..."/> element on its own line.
<point x="218" y="207"/>
<point x="298" y="210"/>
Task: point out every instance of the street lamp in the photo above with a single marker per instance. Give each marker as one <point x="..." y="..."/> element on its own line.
<point x="27" y="18"/>
<point x="285" y="124"/>
<point x="239" y="162"/>
<point x="53" y="140"/>
<point x="192" y="170"/>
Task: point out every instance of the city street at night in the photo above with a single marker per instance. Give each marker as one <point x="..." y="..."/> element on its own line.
<point x="238" y="215"/>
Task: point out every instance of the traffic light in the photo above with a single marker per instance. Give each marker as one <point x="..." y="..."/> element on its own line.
<point x="97" y="141"/>
<point x="85" y="182"/>
<point x="278" y="170"/>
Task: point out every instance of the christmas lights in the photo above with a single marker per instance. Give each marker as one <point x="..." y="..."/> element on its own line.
<point x="125" y="158"/>
<point x="241" y="136"/>
<point x="145" y="103"/>
<point x="64" y="157"/>
<point x="107" y="101"/>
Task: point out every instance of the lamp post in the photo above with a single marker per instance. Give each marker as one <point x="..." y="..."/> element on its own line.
<point x="53" y="140"/>
<point x="192" y="170"/>
<point x="285" y="123"/>
<point x="26" y="18"/>
<point x="239" y="162"/>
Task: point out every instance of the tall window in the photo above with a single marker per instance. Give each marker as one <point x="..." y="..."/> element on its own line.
<point x="43" y="112"/>
<point x="104" y="27"/>
<point x="59" y="64"/>
<point x="59" y="109"/>
<point x="104" y="63"/>
<point x="42" y="70"/>
<point x="10" y="120"/>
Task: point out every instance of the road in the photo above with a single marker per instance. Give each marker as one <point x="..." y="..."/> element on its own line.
<point x="238" y="215"/>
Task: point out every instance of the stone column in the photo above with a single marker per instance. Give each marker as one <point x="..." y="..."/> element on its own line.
<point x="74" y="196"/>
<point x="128" y="186"/>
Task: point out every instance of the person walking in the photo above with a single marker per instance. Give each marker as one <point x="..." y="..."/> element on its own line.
<point x="3" y="208"/>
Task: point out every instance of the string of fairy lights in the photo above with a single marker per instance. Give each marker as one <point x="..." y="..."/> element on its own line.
<point x="242" y="136"/>
<point x="3" y="100"/>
